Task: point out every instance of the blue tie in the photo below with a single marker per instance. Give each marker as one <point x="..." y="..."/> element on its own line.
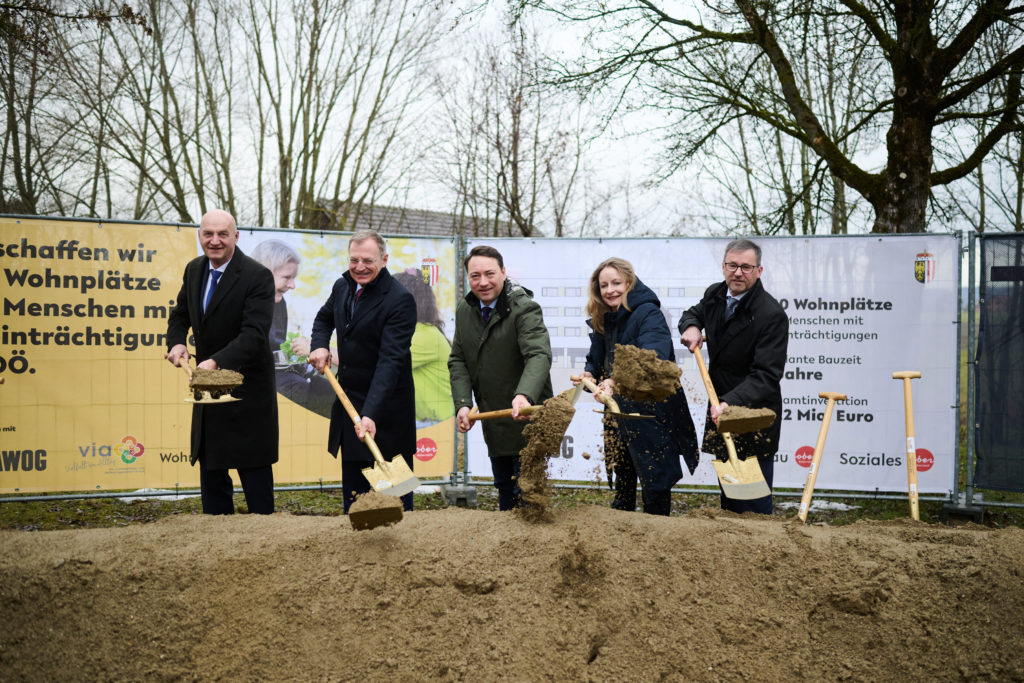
<point x="486" y="313"/>
<point x="730" y="306"/>
<point x="215" y="274"/>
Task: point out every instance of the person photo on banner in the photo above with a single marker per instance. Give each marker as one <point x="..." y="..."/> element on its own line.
<point x="501" y="355"/>
<point x="623" y="310"/>
<point x="748" y="335"/>
<point x="430" y="350"/>
<point x="373" y="318"/>
<point x="227" y="300"/>
<point x="297" y="380"/>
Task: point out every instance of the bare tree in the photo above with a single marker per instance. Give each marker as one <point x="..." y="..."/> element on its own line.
<point x="337" y="83"/>
<point x="514" y="150"/>
<point x="929" y="51"/>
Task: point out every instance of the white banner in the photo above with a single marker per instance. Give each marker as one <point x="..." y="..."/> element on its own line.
<point x="860" y="309"/>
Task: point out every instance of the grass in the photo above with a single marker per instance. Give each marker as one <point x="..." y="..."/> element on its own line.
<point x="48" y="515"/>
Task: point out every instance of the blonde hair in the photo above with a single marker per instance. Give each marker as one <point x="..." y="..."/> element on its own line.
<point x="596" y="307"/>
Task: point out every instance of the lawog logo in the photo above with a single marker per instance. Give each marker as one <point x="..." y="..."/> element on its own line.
<point x="129" y="449"/>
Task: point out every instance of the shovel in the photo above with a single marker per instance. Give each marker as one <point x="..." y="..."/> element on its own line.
<point x="908" y="409"/>
<point x="393" y="478"/>
<point x="740" y="479"/>
<point x="611" y="406"/>
<point x="198" y="395"/>
<point x="475" y="414"/>
<point x="819" y="447"/>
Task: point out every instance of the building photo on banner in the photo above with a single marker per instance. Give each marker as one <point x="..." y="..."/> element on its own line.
<point x="89" y="403"/>
<point x="860" y="308"/>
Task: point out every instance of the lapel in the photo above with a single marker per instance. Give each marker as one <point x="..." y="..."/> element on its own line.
<point x="371" y="299"/>
<point x="227" y="281"/>
<point x="196" y="291"/>
<point x="736" y="326"/>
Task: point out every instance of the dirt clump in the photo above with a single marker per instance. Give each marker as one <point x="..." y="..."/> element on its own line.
<point x="740" y="420"/>
<point x="470" y="595"/>
<point x="544" y="436"/>
<point x="640" y="375"/>
<point x="213" y="384"/>
<point x="373" y="509"/>
<point x="209" y="380"/>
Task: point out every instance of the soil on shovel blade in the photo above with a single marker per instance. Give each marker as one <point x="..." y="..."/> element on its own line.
<point x="741" y="420"/>
<point x="544" y="436"/>
<point x="212" y="380"/>
<point x="640" y="375"/>
<point x="468" y="595"/>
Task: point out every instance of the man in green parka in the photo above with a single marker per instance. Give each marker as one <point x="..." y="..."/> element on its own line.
<point x="502" y="355"/>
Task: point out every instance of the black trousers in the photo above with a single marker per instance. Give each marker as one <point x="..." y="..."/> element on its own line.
<point x="655" y="502"/>
<point x="216" y="489"/>
<point x="506" y="479"/>
<point x="354" y="483"/>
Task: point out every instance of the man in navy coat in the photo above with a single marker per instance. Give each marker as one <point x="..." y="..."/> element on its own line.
<point x="748" y="334"/>
<point x="374" y="318"/>
<point x="227" y="300"/>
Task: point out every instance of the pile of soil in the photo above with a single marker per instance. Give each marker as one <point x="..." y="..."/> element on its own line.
<point x="640" y="375"/>
<point x="459" y="594"/>
<point x="544" y="436"/>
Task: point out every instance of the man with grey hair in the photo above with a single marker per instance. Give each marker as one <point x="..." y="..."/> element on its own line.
<point x="227" y="300"/>
<point x="374" y="318"/>
<point x="748" y="334"/>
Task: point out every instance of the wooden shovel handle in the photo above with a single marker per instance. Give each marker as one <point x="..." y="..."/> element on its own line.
<point x="352" y="413"/>
<point x="819" y="448"/>
<point x="908" y="410"/>
<point x="604" y="398"/>
<point x="730" y="447"/>
<point x="475" y="414"/>
<point x="188" y="371"/>
<point x="712" y="396"/>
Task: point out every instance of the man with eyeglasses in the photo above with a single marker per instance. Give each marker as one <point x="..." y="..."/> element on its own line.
<point x="374" y="318"/>
<point x="747" y="333"/>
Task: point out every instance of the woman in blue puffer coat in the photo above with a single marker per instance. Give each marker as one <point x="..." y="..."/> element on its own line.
<point x="623" y="310"/>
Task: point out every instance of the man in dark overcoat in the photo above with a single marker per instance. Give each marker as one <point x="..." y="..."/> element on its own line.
<point x="227" y="300"/>
<point x="374" y="318"/>
<point x="748" y="334"/>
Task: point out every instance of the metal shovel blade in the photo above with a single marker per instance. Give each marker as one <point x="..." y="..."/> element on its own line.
<point x="740" y="479"/>
<point x="625" y="416"/>
<point x="392" y="478"/>
<point x="206" y="397"/>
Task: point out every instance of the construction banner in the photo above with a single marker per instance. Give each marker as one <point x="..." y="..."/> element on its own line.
<point x="88" y="402"/>
<point x="860" y="308"/>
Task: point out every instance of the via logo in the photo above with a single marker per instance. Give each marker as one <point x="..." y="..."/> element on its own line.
<point x="129" y="449"/>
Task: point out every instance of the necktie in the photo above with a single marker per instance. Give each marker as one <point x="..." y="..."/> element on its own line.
<point x="355" y="299"/>
<point x="730" y="306"/>
<point x="215" y="274"/>
<point x="486" y="313"/>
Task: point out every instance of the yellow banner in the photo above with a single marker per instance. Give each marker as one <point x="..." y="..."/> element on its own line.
<point x="88" y="402"/>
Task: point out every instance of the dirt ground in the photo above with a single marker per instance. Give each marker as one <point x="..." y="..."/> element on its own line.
<point x="460" y="594"/>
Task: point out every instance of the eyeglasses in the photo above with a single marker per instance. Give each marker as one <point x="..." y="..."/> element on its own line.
<point x="733" y="267"/>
